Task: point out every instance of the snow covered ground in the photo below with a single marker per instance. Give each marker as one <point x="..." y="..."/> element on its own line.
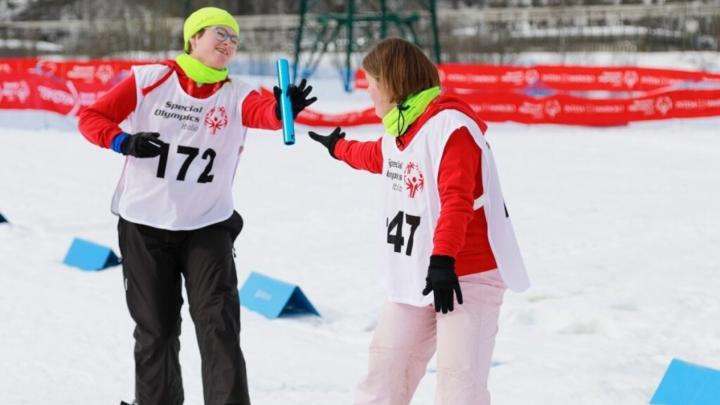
<point x="619" y="227"/>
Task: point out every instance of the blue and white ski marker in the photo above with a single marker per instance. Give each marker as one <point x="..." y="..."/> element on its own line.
<point x="288" y="123"/>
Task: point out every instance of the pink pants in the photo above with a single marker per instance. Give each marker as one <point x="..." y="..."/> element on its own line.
<point x="406" y="337"/>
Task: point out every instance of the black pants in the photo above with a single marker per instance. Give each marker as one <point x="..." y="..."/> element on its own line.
<point x="153" y="262"/>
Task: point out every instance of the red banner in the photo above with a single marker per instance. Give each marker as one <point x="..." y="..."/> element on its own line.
<point x="316" y="119"/>
<point x="559" y="109"/>
<point x="17" y="65"/>
<point x="101" y="73"/>
<point x="563" y="78"/>
<point x="563" y="109"/>
<point x="495" y="92"/>
<point x="36" y="92"/>
<point x="59" y="86"/>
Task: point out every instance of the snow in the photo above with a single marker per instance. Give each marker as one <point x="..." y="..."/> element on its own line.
<point x="619" y="229"/>
<point x="28" y="44"/>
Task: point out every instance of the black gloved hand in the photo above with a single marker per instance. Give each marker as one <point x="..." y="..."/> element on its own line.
<point x="328" y="141"/>
<point x="443" y="281"/>
<point x="298" y="98"/>
<point x="142" y="145"/>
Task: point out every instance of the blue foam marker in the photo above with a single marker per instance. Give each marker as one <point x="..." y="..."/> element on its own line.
<point x="274" y="298"/>
<point x="90" y="256"/>
<point x="688" y="384"/>
<point x="288" y="123"/>
<point x="3" y="219"/>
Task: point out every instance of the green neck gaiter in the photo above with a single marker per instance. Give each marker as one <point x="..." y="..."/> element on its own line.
<point x="198" y="71"/>
<point x="397" y="120"/>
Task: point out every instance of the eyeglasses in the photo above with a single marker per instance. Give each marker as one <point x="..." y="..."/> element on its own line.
<point x="223" y="35"/>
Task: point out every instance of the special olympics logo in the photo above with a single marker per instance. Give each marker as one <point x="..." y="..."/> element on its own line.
<point x="216" y="119"/>
<point x="630" y="77"/>
<point x="552" y="108"/>
<point x="663" y="104"/>
<point x="532" y="76"/>
<point x="104" y="73"/>
<point x="414" y="179"/>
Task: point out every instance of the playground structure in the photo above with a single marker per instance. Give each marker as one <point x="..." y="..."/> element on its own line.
<point x="355" y="26"/>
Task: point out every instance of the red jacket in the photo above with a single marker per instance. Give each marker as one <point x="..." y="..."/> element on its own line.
<point x="99" y="122"/>
<point x="461" y="232"/>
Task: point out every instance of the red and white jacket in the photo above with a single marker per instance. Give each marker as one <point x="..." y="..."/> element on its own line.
<point x="461" y="231"/>
<point x="99" y="123"/>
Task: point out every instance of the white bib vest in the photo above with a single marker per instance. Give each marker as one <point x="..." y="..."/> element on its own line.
<point x="189" y="185"/>
<point x="412" y="208"/>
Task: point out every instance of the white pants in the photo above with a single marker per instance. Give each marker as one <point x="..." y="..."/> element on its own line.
<point x="406" y="338"/>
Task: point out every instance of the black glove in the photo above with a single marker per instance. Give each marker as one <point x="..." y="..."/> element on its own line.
<point x="298" y="98"/>
<point x="328" y="141"/>
<point x="142" y="145"/>
<point x="443" y="281"/>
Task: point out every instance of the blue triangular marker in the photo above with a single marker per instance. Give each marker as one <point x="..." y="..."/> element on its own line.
<point x="3" y="219"/>
<point x="90" y="256"/>
<point x="298" y="305"/>
<point x="274" y="298"/>
<point x="688" y="384"/>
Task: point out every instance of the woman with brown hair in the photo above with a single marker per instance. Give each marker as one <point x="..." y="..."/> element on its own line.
<point x="447" y="231"/>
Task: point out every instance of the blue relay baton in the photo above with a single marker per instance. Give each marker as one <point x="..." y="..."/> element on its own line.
<point x="288" y="123"/>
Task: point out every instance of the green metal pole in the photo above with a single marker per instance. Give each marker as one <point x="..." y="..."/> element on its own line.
<point x="383" y="21"/>
<point x="298" y="39"/>
<point x="348" y="56"/>
<point x="436" y="39"/>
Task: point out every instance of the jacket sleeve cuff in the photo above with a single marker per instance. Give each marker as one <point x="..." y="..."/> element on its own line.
<point x="118" y="141"/>
<point x="442" y="262"/>
<point x="338" y="148"/>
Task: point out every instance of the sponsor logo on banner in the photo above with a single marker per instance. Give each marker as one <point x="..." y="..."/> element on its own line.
<point x="104" y="73"/>
<point x="663" y="104"/>
<point x="579" y="78"/>
<point x="630" y="78"/>
<point x="216" y="119"/>
<point x="534" y="109"/>
<point x="79" y="72"/>
<point x="614" y="79"/>
<point x="484" y="79"/>
<point x="12" y="91"/>
<point x="531" y="76"/>
<point x="56" y="96"/>
<point x="553" y="108"/>
<point x="414" y="179"/>
<point x="516" y="77"/>
<point x="645" y="106"/>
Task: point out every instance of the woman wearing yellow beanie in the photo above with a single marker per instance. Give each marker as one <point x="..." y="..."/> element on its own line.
<point x="184" y="126"/>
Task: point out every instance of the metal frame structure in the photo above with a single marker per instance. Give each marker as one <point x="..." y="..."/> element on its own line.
<point x="359" y="24"/>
